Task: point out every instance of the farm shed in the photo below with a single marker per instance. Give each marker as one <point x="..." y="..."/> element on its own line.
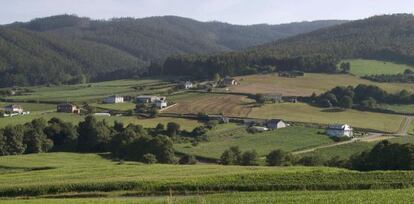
<point x="114" y="99"/>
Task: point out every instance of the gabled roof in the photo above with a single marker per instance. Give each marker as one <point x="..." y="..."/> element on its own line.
<point x="13" y="106"/>
<point x="338" y="126"/>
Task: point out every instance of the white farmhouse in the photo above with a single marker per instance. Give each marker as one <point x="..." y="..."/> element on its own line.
<point x="114" y="99"/>
<point x="161" y="103"/>
<point x="275" y="124"/>
<point x="187" y="85"/>
<point x="13" y="108"/>
<point x="339" y="130"/>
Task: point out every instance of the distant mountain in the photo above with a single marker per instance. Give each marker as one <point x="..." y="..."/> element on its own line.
<point x="66" y="48"/>
<point x="387" y="37"/>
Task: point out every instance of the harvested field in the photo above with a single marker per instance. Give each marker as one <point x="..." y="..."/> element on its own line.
<point x="306" y="85"/>
<point x="230" y="105"/>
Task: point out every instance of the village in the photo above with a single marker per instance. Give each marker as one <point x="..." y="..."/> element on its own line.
<point x="148" y="105"/>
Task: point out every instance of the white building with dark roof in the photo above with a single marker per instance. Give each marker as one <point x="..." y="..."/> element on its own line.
<point x="339" y="130"/>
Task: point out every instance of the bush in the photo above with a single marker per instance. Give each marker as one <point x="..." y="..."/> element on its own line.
<point x="149" y="158"/>
<point x="249" y="158"/>
<point x="231" y="156"/>
<point x="187" y="159"/>
<point x="279" y="158"/>
<point x="312" y="160"/>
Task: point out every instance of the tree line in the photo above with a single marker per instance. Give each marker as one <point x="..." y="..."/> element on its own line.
<point x="383" y="156"/>
<point x="365" y="96"/>
<point x="131" y="142"/>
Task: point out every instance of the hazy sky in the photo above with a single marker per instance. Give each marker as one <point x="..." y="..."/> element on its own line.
<point x="232" y="11"/>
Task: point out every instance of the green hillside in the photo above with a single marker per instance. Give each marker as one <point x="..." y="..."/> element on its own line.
<point x="361" y="67"/>
<point x="70" y="49"/>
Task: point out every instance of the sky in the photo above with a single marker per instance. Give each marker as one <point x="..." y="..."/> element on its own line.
<point x="243" y="12"/>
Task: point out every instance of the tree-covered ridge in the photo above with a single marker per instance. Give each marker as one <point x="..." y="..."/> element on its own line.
<point x="387" y="37"/>
<point x="70" y="49"/>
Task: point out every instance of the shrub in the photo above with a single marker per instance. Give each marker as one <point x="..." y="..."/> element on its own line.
<point x="279" y="158"/>
<point x="249" y="158"/>
<point x="187" y="159"/>
<point x="149" y="158"/>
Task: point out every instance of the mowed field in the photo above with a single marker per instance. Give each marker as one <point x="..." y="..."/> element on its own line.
<point x="92" y="92"/>
<point x="225" y="136"/>
<point x="227" y="104"/>
<point x="360" y="67"/>
<point x="302" y="112"/>
<point x="306" y="85"/>
<point x="75" y="119"/>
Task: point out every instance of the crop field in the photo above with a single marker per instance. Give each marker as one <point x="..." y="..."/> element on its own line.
<point x="288" y="139"/>
<point x="75" y="119"/>
<point x="301" y="112"/>
<point x="231" y="105"/>
<point x="350" y="196"/>
<point x="59" y="173"/>
<point x="360" y="67"/>
<point x="93" y="91"/>
<point x="306" y="85"/>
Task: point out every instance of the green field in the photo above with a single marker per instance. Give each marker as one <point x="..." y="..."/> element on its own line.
<point x="360" y="67"/>
<point x="351" y="196"/>
<point x="59" y="173"/>
<point x="288" y="139"/>
<point x="346" y="150"/>
<point x="118" y="106"/>
<point x="305" y="113"/>
<point x="397" y="108"/>
<point x="75" y="119"/>
<point x="93" y="92"/>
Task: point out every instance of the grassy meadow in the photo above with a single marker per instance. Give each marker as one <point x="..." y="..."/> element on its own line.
<point x="301" y="112"/>
<point x="75" y="119"/>
<point x="225" y="136"/>
<point x="362" y="67"/>
<point x="92" y="92"/>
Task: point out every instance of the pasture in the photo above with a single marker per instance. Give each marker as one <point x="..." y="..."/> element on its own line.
<point x="398" y="108"/>
<point x="301" y="112"/>
<point x="60" y="173"/>
<point x="306" y="85"/>
<point x="225" y="136"/>
<point x="92" y="92"/>
<point x="361" y="67"/>
<point x="75" y="119"/>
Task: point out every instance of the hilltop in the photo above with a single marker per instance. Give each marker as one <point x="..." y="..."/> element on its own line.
<point x="387" y="37"/>
<point x="71" y="49"/>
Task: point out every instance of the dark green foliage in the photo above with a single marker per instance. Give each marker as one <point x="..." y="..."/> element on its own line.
<point x="406" y="77"/>
<point x="69" y="49"/>
<point x="93" y="136"/>
<point x="231" y="156"/>
<point x="312" y="160"/>
<point x="346" y="102"/>
<point x="173" y="129"/>
<point x="260" y="98"/>
<point x="187" y="159"/>
<point x="35" y="138"/>
<point x="149" y="158"/>
<point x="63" y="135"/>
<point x="13" y="140"/>
<point x="249" y="158"/>
<point x="385" y="156"/>
<point x="279" y="158"/>
<point x="387" y="37"/>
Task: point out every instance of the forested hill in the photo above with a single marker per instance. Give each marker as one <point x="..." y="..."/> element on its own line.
<point x="70" y="49"/>
<point x="388" y="37"/>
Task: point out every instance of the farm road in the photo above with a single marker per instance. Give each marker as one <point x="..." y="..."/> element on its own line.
<point x="372" y="137"/>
